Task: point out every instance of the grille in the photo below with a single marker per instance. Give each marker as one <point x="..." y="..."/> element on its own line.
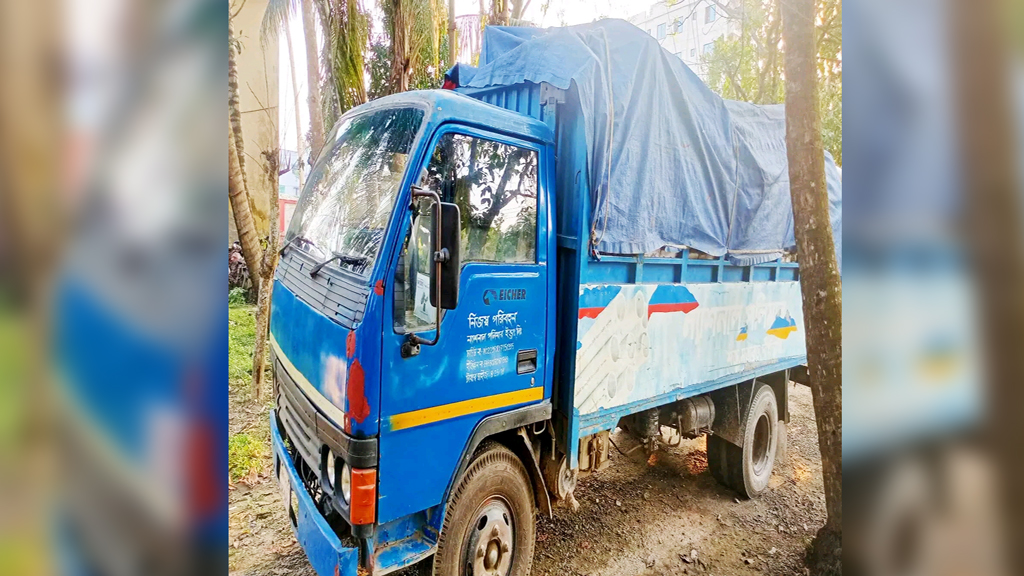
<point x="338" y="294"/>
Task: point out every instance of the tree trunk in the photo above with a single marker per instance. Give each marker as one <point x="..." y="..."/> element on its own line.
<point x="499" y="13"/>
<point x="983" y="89"/>
<point x="234" y="108"/>
<point x="259" y="353"/>
<point x="239" y="197"/>
<point x="399" y="47"/>
<point x="316" y="113"/>
<point x="261" y="263"/>
<point x="819" y="276"/>
<point x="453" y="35"/>
<point x="266" y="289"/>
<point x="295" y="95"/>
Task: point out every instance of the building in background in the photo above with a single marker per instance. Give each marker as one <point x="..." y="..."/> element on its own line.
<point x="288" y="187"/>
<point x="687" y="28"/>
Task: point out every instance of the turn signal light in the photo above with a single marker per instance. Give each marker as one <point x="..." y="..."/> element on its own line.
<point x="363" y="503"/>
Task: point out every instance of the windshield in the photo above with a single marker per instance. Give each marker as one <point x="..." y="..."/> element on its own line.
<point x="347" y="200"/>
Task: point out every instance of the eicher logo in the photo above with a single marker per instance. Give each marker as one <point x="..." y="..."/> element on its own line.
<point x="504" y="294"/>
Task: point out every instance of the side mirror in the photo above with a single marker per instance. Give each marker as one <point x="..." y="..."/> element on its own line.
<point x="445" y="266"/>
<point x="445" y="234"/>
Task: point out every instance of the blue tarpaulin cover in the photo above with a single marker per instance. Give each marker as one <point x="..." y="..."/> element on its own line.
<point x="670" y="163"/>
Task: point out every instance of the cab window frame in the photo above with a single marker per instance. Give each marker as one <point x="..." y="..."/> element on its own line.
<point x="425" y="156"/>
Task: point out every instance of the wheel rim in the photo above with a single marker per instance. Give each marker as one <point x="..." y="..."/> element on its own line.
<point x="762" y="441"/>
<point x="491" y="540"/>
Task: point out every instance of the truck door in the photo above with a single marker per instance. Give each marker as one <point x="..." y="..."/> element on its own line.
<point x="490" y="355"/>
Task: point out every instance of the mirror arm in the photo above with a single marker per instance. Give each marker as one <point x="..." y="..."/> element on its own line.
<point x="411" y="347"/>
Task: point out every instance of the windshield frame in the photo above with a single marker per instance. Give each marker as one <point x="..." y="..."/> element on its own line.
<point x="408" y="175"/>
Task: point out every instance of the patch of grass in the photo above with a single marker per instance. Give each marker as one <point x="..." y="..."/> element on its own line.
<point x="246" y="456"/>
<point x="241" y="339"/>
<point x="238" y="297"/>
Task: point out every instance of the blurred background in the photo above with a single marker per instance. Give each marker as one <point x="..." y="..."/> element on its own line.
<point x="113" y="344"/>
<point x="933" y="287"/>
<point x="112" y="302"/>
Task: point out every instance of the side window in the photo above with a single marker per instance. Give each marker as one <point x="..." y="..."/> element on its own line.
<point x="495" y="187"/>
<point x="413" y="311"/>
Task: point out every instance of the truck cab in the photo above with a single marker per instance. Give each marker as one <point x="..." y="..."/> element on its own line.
<point x="422" y="207"/>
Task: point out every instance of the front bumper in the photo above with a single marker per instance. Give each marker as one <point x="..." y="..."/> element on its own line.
<point x="326" y="552"/>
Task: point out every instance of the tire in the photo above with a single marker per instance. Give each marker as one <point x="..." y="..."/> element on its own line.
<point x="490" y="522"/>
<point x="748" y="469"/>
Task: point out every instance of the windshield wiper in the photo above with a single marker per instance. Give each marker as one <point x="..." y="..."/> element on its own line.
<point x="295" y="239"/>
<point x="343" y="258"/>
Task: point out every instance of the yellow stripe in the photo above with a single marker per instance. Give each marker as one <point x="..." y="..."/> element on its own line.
<point x="314" y="395"/>
<point x="456" y="409"/>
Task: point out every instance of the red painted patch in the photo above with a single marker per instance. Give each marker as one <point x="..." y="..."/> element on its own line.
<point x="378" y="288"/>
<point x="358" y="407"/>
<point x="591" y="312"/>
<point x="350" y="344"/>
<point x="684" y="307"/>
<point x="205" y="493"/>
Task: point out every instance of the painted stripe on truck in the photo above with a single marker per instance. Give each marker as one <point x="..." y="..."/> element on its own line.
<point x="456" y="409"/>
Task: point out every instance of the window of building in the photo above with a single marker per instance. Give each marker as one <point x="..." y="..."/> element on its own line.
<point x="708" y="48"/>
<point x="661" y="31"/>
<point x="710" y="14"/>
<point x="693" y="52"/>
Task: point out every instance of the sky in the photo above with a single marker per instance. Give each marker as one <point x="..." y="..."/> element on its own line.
<point x="560" y="12"/>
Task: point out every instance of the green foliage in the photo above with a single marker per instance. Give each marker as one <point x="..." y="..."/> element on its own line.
<point x="241" y="341"/>
<point x="275" y="17"/>
<point x="749" y="65"/>
<point x="346" y="29"/>
<point x="238" y="296"/>
<point x="423" y="38"/>
<point x="247" y="456"/>
<point x="378" y="65"/>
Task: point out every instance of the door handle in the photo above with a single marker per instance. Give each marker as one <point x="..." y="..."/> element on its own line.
<point x="526" y="361"/>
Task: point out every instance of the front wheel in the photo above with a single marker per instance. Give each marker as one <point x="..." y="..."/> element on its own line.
<point x="489" y="526"/>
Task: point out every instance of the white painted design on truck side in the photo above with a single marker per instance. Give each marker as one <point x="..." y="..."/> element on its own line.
<point x="638" y="346"/>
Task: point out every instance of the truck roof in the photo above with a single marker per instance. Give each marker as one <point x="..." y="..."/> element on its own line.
<point x="448" y="105"/>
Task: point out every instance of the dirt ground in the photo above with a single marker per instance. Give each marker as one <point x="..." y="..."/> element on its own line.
<point x="634" y="518"/>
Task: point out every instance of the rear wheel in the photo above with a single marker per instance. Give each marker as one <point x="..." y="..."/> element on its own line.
<point x="747" y="469"/>
<point x="489" y="526"/>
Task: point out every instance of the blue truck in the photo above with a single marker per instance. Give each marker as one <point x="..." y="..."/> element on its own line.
<point x="462" y="355"/>
<point x="455" y="331"/>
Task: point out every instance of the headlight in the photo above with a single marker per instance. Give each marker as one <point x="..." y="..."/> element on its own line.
<point x="332" y="479"/>
<point x="346" y="482"/>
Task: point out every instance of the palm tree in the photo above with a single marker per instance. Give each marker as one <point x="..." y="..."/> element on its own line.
<point x="260" y="260"/>
<point x="415" y="28"/>
<point x="346" y="34"/>
<point x="316" y="118"/>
